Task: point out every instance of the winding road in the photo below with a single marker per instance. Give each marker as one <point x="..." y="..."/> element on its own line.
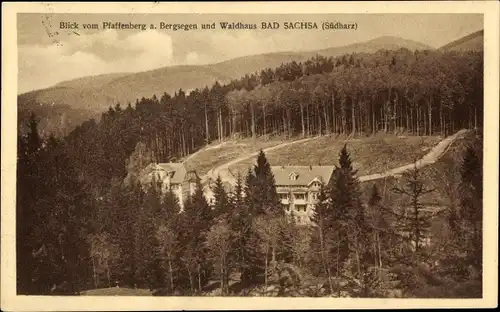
<point x="431" y="157"/>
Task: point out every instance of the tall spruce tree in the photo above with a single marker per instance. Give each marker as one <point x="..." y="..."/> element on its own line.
<point x="265" y="199"/>
<point x="346" y="215"/>
<point x="29" y="147"/>
<point x="124" y="202"/>
<point x="54" y="211"/>
<point x="221" y="200"/>
<point x="196" y="220"/>
<point x="240" y="223"/>
<point x="167" y="238"/>
<point x="414" y="221"/>
<point x="146" y="264"/>
<point x="471" y="207"/>
<point x="251" y="262"/>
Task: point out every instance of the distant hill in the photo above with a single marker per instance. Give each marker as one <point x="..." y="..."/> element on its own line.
<point x="374" y="45"/>
<point x="472" y="42"/>
<point x="89" y="96"/>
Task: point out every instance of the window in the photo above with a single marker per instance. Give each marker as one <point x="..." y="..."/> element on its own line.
<point x="293" y="176"/>
<point x="286" y="207"/>
<point x="284" y="196"/>
<point x="301" y="219"/>
<point x="316" y="184"/>
<point x="300" y="196"/>
<point x="314" y="195"/>
<point x="301" y="208"/>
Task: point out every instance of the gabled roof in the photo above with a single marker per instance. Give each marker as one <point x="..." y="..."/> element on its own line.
<point x="177" y="169"/>
<point x="304" y="174"/>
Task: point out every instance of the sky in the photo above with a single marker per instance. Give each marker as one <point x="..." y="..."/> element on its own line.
<point x="48" y="55"/>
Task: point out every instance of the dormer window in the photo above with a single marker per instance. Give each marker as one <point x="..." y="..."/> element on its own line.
<point x="293" y="176"/>
<point x="315" y="183"/>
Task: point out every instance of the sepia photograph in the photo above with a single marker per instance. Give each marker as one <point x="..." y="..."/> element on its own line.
<point x="332" y="155"/>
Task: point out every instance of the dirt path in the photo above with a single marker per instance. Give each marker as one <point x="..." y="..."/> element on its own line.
<point x="434" y="154"/>
<point x="431" y="157"/>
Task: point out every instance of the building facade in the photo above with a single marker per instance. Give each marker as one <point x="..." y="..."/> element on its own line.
<point x="173" y="176"/>
<point x="298" y="188"/>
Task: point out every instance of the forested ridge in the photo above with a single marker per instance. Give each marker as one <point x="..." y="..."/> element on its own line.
<point x="97" y="231"/>
<point x="421" y="93"/>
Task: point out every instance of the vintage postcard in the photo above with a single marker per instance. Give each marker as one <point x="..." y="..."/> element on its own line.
<point x="249" y="155"/>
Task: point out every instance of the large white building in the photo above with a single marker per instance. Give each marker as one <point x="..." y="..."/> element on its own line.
<point x="173" y="176"/>
<point x="299" y="187"/>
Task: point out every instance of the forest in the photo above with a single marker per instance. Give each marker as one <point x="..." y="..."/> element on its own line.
<point x="420" y="93"/>
<point x="80" y="227"/>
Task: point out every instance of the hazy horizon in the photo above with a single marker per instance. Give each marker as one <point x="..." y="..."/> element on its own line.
<point x="48" y="56"/>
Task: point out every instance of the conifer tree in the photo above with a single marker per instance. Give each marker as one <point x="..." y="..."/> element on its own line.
<point x="168" y="238"/>
<point x="125" y="203"/>
<point x="346" y="209"/>
<point x="221" y="202"/>
<point x="145" y="239"/>
<point x="266" y="199"/>
<point x="239" y="222"/>
<point x="196" y="221"/>
<point x="54" y="213"/>
<point x="251" y="262"/>
<point x="471" y="204"/>
<point x="27" y="194"/>
<point x="413" y="220"/>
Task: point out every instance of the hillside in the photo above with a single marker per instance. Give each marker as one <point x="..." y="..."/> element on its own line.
<point x="472" y="42"/>
<point x="372" y="46"/>
<point x="96" y="93"/>
<point x="370" y="154"/>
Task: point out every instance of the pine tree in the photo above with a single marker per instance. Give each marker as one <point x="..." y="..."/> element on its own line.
<point x="167" y="238"/>
<point x="221" y="202"/>
<point x="239" y="223"/>
<point x="250" y="261"/>
<point x="197" y="220"/>
<point x="124" y="204"/>
<point x="471" y="207"/>
<point x="341" y="225"/>
<point x="145" y="239"/>
<point x="414" y="222"/>
<point x="265" y="198"/>
<point x="27" y="194"/>
<point x="346" y="211"/>
<point x="54" y="213"/>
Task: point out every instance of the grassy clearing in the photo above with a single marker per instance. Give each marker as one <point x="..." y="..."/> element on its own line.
<point x="219" y="154"/>
<point x="442" y="176"/>
<point x="114" y="291"/>
<point x="370" y="154"/>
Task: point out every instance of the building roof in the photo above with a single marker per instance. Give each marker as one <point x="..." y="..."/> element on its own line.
<point x="177" y="169"/>
<point x="301" y="175"/>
